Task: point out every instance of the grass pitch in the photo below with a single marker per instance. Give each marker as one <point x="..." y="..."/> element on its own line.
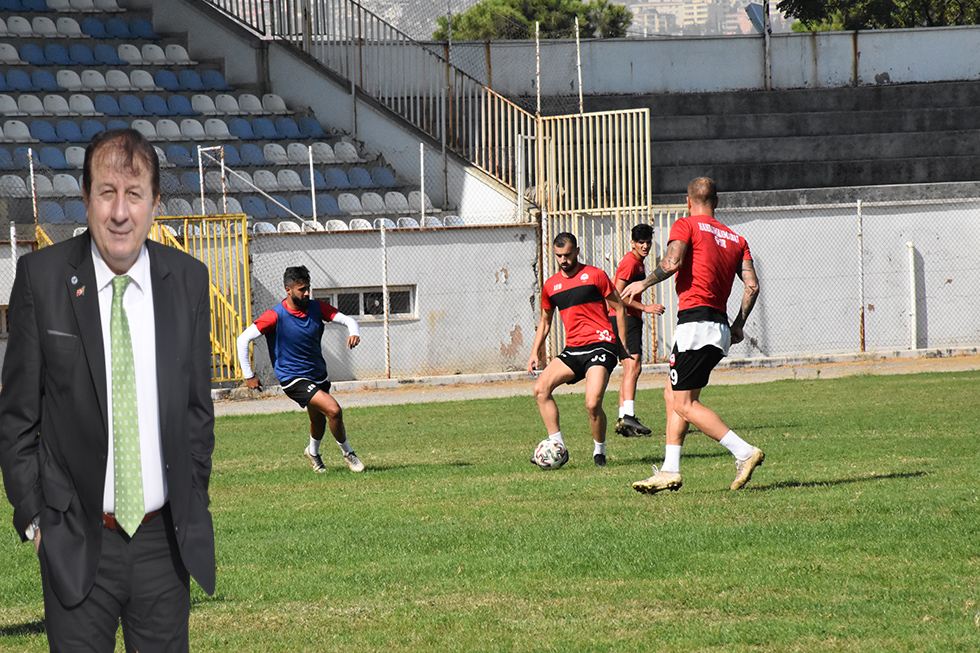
<point x="859" y="533"/>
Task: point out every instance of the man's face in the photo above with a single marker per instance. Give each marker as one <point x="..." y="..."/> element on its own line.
<point x="567" y="257"/>
<point x="641" y="248"/>
<point x="119" y="210"/>
<point x="299" y="294"/>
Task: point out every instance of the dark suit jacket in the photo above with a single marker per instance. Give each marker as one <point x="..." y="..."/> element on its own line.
<point x="53" y="414"/>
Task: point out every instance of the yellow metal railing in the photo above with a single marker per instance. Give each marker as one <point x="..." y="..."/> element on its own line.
<point x="221" y="242"/>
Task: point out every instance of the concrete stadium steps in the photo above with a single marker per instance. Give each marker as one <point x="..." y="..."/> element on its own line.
<point x="812" y="138"/>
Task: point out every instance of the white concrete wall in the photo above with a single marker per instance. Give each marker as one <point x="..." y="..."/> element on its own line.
<point x="476" y="309"/>
<point x="723" y="63"/>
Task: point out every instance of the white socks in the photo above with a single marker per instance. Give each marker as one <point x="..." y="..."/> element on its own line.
<point x="672" y="458"/>
<point x="627" y="408"/>
<point x="556" y="437"/>
<point x="314" y="446"/>
<point x="739" y="447"/>
<point x="600" y="448"/>
<point x="345" y="446"/>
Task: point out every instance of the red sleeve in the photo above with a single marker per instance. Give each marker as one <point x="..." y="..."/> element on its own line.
<point x="267" y="321"/>
<point x="681" y="230"/>
<point x="602" y="283"/>
<point x="328" y="311"/>
<point x="625" y="269"/>
<point x="746" y="254"/>
<point x="546" y="304"/>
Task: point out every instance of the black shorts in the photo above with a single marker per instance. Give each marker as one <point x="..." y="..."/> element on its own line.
<point x="634" y="333"/>
<point x="580" y="359"/>
<point x="689" y="370"/>
<point x="302" y="390"/>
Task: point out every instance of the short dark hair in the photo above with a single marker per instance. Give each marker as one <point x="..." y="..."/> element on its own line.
<point x="133" y="150"/>
<point x="564" y="238"/>
<point x="641" y="232"/>
<point x="295" y="274"/>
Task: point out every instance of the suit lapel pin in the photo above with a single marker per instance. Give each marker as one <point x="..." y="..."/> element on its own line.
<point x="80" y="292"/>
<point x="74" y="280"/>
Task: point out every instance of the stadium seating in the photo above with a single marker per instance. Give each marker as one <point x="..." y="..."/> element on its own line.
<point x="302" y="205"/>
<point x="252" y="155"/>
<point x="310" y="226"/>
<point x="287" y="226"/>
<point x="54" y="158"/>
<point x="453" y="221"/>
<point x="263" y="228"/>
<point x="278" y="207"/>
<point x="373" y="203"/>
<point x="50" y="212"/>
<point x="289" y="180"/>
<point x="335" y="179"/>
<point x="275" y="154"/>
<point x="360" y="223"/>
<point x="386" y="222"/>
<point x="383" y="178"/>
<point x="180" y="106"/>
<point x="68" y="27"/>
<point x="360" y="178"/>
<point x="395" y="202"/>
<point x="75" y="211"/>
<point x="337" y="225"/>
<point x="327" y="205"/>
<point x="318" y="181"/>
<point x="56" y="105"/>
<point x="415" y="202"/>
<point x="407" y="223"/>
<point x="431" y="221"/>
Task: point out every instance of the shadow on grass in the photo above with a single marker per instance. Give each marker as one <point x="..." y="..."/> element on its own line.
<point x="394" y="468"/>
<point x="842" y="481"/>
<point x="656" y="460"/>
<point x="23" y="630"/>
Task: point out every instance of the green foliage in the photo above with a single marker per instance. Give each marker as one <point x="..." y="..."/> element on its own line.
<point x="821" y="15"/>
<point x="492" y="20"/>
<point x="859" y="533"/>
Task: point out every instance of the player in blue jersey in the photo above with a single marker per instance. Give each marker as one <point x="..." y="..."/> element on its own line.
<point x="293" y="330"/>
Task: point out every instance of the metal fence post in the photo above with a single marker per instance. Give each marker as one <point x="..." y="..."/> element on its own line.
<point x="913" y="313"/>
<point x="861" y="267"/>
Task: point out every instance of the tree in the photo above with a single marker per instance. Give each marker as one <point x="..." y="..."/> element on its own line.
<point x="491" y="20"/>
<point x="879" y="14"/>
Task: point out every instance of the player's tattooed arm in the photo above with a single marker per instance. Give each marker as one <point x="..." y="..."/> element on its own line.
<point x="666" y="267"/>
<point x="749" y="296"/>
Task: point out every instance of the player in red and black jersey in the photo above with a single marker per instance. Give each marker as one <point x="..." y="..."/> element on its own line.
<point x="706" y="256"/>
<point x="580" y="293"/>
<point x="631" y="269"/>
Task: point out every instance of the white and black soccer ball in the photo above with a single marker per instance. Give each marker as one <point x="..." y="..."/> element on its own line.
<point x="550" y="454"/>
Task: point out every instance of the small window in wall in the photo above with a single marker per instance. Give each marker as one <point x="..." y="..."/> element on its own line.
<point x="367" y="304"/>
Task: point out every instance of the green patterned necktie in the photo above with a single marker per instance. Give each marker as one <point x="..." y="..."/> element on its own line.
<point x="125" y="423"/>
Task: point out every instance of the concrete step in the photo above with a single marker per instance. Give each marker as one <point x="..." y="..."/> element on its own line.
<point x="863" y="98"/>
<point x="673" y="180"/>
<point x="777" y="125"/>
<point x="847" y="147"/>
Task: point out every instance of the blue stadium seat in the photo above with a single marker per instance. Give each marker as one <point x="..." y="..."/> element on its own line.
<point x="318" y="181"/>
<point x="180" y="156"/>
<point x="301" y="205"/>
<point x="3" y="82"/>
<point x="44" y="131"/>
<point x="54" y="158"/>
<point x="214" y="81"/>
<point x="35" y="5"/>
<point x="327" y="205"/>
<point x="166" y="80"/>
<point x="231" y="156"/>
<point x="91" y="127"/>
<point x="56" y="55"/>
<point x="238" y="127"/>
<point x="130" y="105"/>
<point x="69" y="131"/>
<point x="255" y="207"/>
<point x="383" y="178"/>
<point x="275" y="210"/>
<point x="335" y="179"/>
<point x="169" y="184"/>
<point x="107" y="104"/>
<point x="11" y="5"/>
<point x="50" y="212"/>
<point x="191" y="183"/>
<point x="75" y="211"/>
<point x="18" y="80"/>
<point x="22" y="157"/>
<point x="31" y="53"/>
<point x="190" y="81"/>
<point x="264" y="128"/>
<point x="251" y="155"/>
<point x="311" y="128"/>
<point x="93" y="27"/>
<point x="44" y="80"/>
<point x="106" y="55"/>
<point x="81" y="55"/>
<point x="116" y="123"/>
<point x="157" y="106"/>
<point x="6" y="160"/>
<point x="360" y="178"/>
<point x="288" y="128"/>
<point x="116" y="28"/>
<point x="180" y="106"/>
<point x="142" y="29"/>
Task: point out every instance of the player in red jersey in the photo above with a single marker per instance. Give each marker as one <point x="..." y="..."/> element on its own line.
<point x="631" y="269"/>
<point x="705" y="255"/>
<point x="580" y="293"/>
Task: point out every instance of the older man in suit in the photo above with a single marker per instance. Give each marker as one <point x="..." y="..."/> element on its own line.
<point x="106" y="420"/>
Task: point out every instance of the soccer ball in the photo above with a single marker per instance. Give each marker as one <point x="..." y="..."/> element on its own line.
<point x="550" y="454"/>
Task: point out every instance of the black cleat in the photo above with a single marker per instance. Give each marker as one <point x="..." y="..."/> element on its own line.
<point x="599" y="459"/>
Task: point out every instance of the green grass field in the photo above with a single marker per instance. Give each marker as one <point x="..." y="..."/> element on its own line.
<point x="860" y="532"/>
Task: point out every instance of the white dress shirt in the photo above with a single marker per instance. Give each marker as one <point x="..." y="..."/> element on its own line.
<point x="138" y="304"/>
